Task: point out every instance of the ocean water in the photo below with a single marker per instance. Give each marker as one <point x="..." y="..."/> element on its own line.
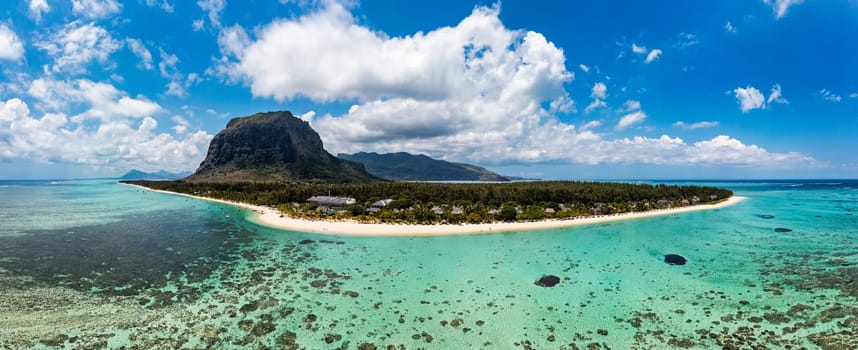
<point x="96" y="264"/>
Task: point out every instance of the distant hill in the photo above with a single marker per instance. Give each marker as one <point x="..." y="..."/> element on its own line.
<point x="408" y="167"/>
<point x="135" y="174"/>
<point x="273" y="147"/>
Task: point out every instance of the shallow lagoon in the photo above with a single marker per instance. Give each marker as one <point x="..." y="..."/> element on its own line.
<point x="94" y="264"/>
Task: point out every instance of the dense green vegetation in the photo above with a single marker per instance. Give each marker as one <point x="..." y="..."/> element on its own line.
<point x="419" y="202"/>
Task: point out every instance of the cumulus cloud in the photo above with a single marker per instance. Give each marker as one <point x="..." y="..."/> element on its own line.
<point x="829" y="96"/>
<point x="638" y="49"/>
<point x="76" y="45"/>
<point x="780" y="7"/>
<point x="101" y="101"/>
<point x="141" y="52"/>
<point x="697" y="125"/>
<point x="584" y="68"/>
<point x="634" y="115"/>
<point x="37" y="8"/>
<point x="11" y="46"/>
<point x="652" y="56"/>
<point x="476" y="91"/>
<point x="115" y="144"/>
<point x="95" y="9"/>
<point x="729" y="28"/>
<point x="750" y="98"/>
<point x="599" y="90"/>
<point x="326" y="56"/>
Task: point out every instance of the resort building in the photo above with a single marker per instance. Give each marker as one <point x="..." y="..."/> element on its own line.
<point x="332" y="201"/>
<point x="381" y="204"/>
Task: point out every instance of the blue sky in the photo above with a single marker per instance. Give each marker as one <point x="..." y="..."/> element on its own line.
<point x="583" y="90"/>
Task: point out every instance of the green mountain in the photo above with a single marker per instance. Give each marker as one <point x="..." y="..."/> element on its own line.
<point x="135" y="174"/>
<point x="273" y="147"/>
<point x="409" y="167"/>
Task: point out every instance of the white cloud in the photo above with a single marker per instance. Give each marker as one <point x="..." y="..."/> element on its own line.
<point x="37" y="8"/>
<point x="687" y="40"/>
<point x="198" y="24"/>
<point x="775" y="96"/>
<point x="631" y="106"/>
<point x="95" y="9"/>
<point x="598" y="94"/>
<point x="11" y="46"/>
<point x="326" y="56"/>
<point x="168" y="63"/>
<point x="594" y="105"/>
<point x="141" y="52"/>
<point x="599" y="90"/>
<point x="174" y="88"/>
<point x="830" y="96"/>
<point x="584" y="68"/>
<point x="631" y="119"/>
<point x="233" y="40"/>
<point x="179" y="83"/>
<point x="100" y="101"/>
<point x="164" y="5"/>
<point x="780" y="7"/>
<point x="181" y="124"/>
<point x="652" y="56"/>
<point x="853" y="95"/>
<point x="697" y="125"/>
<point x="749" y="98"/>
<point x="307" y="117"/>
<point x="116" y="144"/>
<point x="213" y="8"/>
<point x="591" y="125"/>
<point x="634" y="115"/>
<point x="729" y="28"/>
<point x="476" y="91"/>
<point x="76" y="45"/>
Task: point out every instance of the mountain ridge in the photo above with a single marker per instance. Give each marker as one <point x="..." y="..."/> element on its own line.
<point x="135" y="174"/>
<point x="405" y="166"/>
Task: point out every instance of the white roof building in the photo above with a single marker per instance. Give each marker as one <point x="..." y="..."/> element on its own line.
<point x="332" y="201"/>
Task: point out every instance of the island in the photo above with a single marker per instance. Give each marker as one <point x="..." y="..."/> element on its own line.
<point x="275" y="164"/>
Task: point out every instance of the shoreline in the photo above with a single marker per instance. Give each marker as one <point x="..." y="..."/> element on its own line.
<point x="271" y="217"/>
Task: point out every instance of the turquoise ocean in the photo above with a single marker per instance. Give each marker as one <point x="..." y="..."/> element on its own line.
<point x="94" y="264"/>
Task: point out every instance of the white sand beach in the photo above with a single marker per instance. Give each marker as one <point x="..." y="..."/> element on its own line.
<point x="272" y="217"/>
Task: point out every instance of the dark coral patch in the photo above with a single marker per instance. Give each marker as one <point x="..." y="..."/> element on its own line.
<point x="674" y="259"/>
<point x="547" y="281"/>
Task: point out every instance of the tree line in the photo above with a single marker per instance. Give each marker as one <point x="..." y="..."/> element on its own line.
<point x="525" y="196"/>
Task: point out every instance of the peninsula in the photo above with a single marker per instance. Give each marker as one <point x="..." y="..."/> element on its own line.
<point x="275" y="164"/>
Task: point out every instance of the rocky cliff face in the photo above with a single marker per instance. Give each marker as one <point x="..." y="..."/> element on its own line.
<point x="273" y="147"/>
